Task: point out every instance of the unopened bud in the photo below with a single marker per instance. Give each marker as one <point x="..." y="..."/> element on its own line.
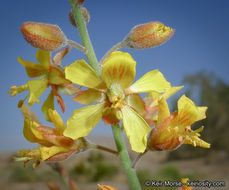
<point x="85" y="13"/>
<point x="80" y="3"/>
<point x="147" y="35"/>
<point x="43" y="36"/>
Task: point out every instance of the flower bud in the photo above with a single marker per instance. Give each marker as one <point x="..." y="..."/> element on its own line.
<point x="147" y="35"/>
<point x="80" y="3"/>
<point x="43" y="36"/>
<point x="85" y="13"/>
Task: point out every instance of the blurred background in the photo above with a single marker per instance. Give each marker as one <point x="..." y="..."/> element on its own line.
<point x="196" y="56"/>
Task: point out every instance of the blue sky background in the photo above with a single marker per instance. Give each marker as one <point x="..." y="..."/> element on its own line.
<point x="200" y="43"/>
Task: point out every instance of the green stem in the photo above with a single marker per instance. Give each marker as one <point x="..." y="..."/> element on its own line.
<point x="125" y="159"/>
<point x="117" y="133"/>
<point x="92" y="60"/>
<point x="114" y="48"/>
<point x="103" y="148"/>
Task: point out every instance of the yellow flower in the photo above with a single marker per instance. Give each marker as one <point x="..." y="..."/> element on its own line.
<point x="171" y="131"/>
<point x="117" y="98"/>
<point x="48" y="75"/>
<point x="54" y="146"/>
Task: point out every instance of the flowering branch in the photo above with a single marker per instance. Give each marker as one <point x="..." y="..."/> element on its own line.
<point x="123" y="154"/>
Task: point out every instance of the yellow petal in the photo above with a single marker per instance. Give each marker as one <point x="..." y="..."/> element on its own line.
<point x="151" y="81"/>
<point x="171" y="91"/>
<point x="48" y="104"/>
<point x="188" y="112"/>
<point x="201" y="112"/>
<point x="136" y="129"/>
<point x="136" y="102"/>
<point x="56" y="120"/>
<point x="43" y="57"/>
<point x="89" y="96"/>
<point x="81" y="73"/>
<point x="106" y="187"/>
<point x="36" y="88"/>
<point x="119" y="68"/>
<point x="32" y="69"/>
<point x="27" y="132"/>
<point x="156" y="95"/>
<point x="83" y="121"/>
<point x="57" y="76"/>
<point x="47" y="152"/>
<point x="31" y="133"/>
<point x="163" y="110"/>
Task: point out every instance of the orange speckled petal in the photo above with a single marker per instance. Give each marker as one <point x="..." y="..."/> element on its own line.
<point x="119" y="68"/>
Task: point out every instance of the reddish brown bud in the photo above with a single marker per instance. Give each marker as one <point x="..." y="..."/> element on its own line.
<point x="85" y="13"/>
<point x="80" y="3"/>
<point x="43" y="36"/>
<point x="147" y="35"/>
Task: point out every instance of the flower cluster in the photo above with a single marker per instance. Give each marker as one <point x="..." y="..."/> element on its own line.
<point x="47" y="74"/>
<point x="115" y="98"/>
<point x="109" y="93"/>
<point x="53" y="145"/>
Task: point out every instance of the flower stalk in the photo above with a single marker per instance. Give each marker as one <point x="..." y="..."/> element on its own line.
<point x="114" y="48"/>
<point x="85" y="36"/>
<point x="103" y="148"/>
<point x="138" y="158"/>
<point x="77" y="46"/>
<point x="125" y="159"/>
<point x="117" y="133"/>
